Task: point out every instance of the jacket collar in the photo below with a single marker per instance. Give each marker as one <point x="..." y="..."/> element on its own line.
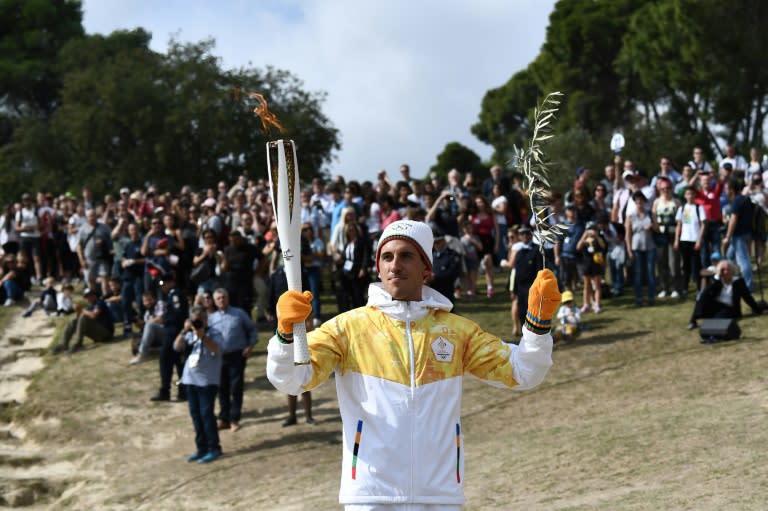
<point x="402" y="310"/>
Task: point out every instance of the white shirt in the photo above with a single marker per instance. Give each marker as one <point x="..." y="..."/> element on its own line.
<point x="690" y="223"/>
<point x="738" y="162"/>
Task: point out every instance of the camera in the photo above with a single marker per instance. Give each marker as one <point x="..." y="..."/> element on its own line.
<point x="197" y="323"/>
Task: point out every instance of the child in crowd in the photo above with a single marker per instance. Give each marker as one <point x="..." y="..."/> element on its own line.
<point x="569" y="317"/>
<point x="472" y="247"/>
<point x="65" y="305"/>
<point x="47" y="300"/>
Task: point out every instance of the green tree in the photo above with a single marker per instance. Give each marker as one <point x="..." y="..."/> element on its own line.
<point x="696" y="60"/>
<point x="130" y="115"/>
<point x="31" y="34"/>
<point x="456" y="156"/>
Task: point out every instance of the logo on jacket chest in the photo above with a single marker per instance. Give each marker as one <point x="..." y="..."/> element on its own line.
<point x="443" y="349"/>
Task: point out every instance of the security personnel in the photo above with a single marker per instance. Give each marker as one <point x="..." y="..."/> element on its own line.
<point x="446" y="266"/>
<point x="176" y="312"/>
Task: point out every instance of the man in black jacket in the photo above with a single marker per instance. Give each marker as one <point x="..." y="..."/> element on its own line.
<point x="446" y="266"/>
<point x="722" y="298"/>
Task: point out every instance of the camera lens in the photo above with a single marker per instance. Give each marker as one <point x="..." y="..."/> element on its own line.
<point x="197" y="323"/>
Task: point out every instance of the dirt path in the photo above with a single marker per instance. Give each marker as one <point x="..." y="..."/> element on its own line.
<point x="28" y="474"/>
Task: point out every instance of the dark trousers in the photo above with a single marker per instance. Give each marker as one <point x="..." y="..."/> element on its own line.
<point x="710" y="308"/>
<point x="169" y="358"/>
<point x="201" y="401"/>
<point x="231" y="386"/>
<point x="83" y="326"/>
<point x="691" y="264"/>
<point x="131" y="294"/>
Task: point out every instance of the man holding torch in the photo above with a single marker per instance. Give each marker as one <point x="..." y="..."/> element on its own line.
<point x="399" y="364"/>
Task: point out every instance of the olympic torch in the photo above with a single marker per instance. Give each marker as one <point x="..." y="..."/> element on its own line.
<point x="283" y="170"/>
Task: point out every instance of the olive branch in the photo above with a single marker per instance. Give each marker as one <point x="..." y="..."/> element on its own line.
<point x="534" y="168"/>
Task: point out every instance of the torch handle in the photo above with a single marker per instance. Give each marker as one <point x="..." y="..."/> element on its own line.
<point x="300" y="347"/>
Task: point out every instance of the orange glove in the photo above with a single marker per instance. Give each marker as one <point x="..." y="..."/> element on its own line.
<point x="293" y="307"/>
<point x="543" y="300"/>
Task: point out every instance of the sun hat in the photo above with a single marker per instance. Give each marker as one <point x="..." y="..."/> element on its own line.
<point x="567" y="296"/>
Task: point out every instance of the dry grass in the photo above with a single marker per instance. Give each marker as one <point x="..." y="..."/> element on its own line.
<point x="636" y="415"/>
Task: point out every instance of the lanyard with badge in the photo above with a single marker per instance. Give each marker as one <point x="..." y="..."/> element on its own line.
<point x="197" y="350"/>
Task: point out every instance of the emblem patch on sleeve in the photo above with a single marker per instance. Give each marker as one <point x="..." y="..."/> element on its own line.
<point x="443" y="349"/>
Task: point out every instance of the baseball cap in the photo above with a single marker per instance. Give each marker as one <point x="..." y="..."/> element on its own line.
<point x="124" y="190"/>
<point x="580" y="170"/>
<point x="728" y="166"/>
<point x="627" y="173"/>
<point x="524" y="229"/>
<point x="210" y="202"/>
<point x="417" y="233"/>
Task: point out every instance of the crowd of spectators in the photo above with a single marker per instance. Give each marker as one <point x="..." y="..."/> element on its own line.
<point x="656" y="230"/>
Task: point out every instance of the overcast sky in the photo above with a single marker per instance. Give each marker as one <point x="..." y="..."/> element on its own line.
<point x="403" y="77"/>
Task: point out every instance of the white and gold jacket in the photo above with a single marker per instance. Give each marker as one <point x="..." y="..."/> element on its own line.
<point x="399" y="368"/>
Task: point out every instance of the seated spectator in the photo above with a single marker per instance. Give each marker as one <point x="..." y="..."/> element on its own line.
<point x="64" y="303"/>
<point x="93" y="321"/>
<point x="114" y="300"/>
<point x="569" y="316"/>
<point x="151" y="326"/>
<point x="11" y="290"/>
<point x="47" y="300"/>
<point x="722" y="298"/>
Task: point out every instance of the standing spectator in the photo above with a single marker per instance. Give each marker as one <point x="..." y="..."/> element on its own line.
<point x="756" y="193"/>
<point x="94" y="322"/>
<point x="237" y="270"/>
<point x="486" y="228"/>
<point x="388" y="211"/>
<point x="27" y="225"/>
<point x="737" y="161"/>
<point x="201" y="379"/>
<point x="278" y="284"/>
<point x="663" y="214"/>
<point x="205" y="261"/>
<point x="314" y="261"/>
<point x="591" y="248"/>
<point x="354" y="274"/>
<point x="238" y="339"/>
<point x="9" y="237"/>
<point x="446" y="267"/>
<point x="641" y="249"/>
<point x="94" y="250"/>
<point x="708" y="196"/>
<point x="500" y="204"/>
<point x="666" y="170"/>
<point x="443" y="214"/>
<point x="738" y="234"/>
<point x="755" y="166"/>
<point x="566" y="253"/>
<point x="495" y="179"/>
<point x="176" y="308"/>
<point x="698" y="163"/>
<point x="132" y="272"/>
<point x="156" y="248"/>
<point x="528" y="263"/>
<point x="600" y="203"/>
<point x="472" y="247"/>
<point x="689" y="236"/>
<point x="610" y="183"/>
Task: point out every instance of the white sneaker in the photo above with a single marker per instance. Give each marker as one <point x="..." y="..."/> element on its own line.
<point x="663" y="294"/>
<point x="138" y="359"/>
<point x="674" y="294"/>
<point x="9" y="302"/>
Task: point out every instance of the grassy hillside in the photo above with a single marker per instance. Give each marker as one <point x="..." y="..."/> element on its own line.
<point x="635" y="415"/>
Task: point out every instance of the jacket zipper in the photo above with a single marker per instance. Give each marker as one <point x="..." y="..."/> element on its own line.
<point x="412" y="358"/>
